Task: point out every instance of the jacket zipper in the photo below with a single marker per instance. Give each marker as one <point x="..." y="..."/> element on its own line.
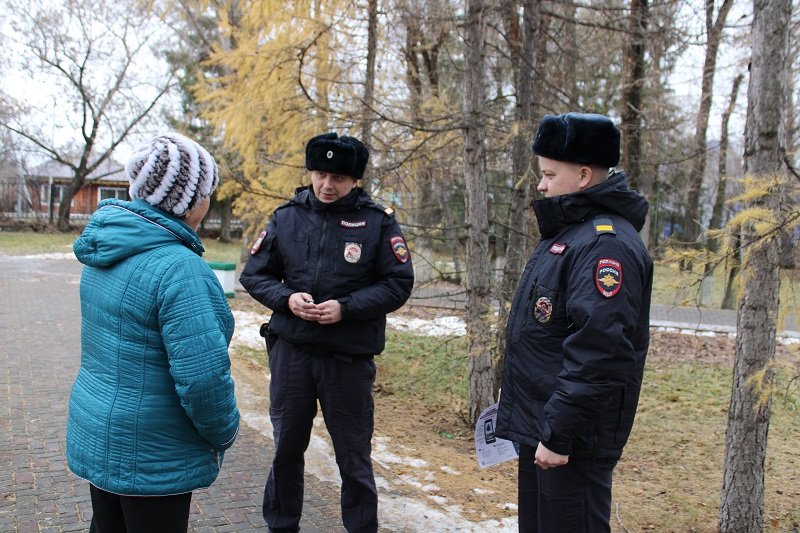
<point x="320" y="258"/>
<point x="322" y="239"/>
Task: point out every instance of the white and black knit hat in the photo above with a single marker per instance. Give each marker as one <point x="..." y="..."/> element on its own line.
<point x="172" y="172"/>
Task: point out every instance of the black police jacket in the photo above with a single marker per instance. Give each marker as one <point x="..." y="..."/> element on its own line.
<point x="578" y="331"/>
<point x="351" y="250"/>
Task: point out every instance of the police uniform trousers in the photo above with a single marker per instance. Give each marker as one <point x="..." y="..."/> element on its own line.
<point x="574" y="498"/>
<point x="343" y="387"/>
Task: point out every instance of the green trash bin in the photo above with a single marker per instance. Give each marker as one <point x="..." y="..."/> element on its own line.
<point x="226" y="274"/>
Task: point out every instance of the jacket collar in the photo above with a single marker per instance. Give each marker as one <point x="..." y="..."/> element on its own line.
<point x="611" y="196"/>
<point x="120" y="229"/>
<point x="356" y="198"/>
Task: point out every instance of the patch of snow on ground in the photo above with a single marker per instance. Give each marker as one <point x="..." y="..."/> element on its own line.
<point x="712" y="330"/>
<point x="382" y="455"/>
<point x="439" y="326"/>
<point x="247" y="327"/>
<point x="55" y="255"/>
<point x="452" y="471"/>
<point x="248" y="324"/>
<point x="402" y="514"/>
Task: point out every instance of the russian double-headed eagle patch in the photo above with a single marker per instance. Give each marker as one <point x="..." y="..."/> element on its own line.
<point x="608" y="277"/>
<point x="399" y="248"/>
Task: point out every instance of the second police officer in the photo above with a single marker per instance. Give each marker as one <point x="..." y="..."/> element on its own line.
<point x="330" y="265"/>
<point x="578" y="330"/>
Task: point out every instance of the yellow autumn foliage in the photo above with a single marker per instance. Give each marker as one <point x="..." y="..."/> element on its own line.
<point x="271" y="95"/>
<point x="755" y="219"/>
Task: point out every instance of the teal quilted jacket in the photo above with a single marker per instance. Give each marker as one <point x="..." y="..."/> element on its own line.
<point x="153" y="406"/>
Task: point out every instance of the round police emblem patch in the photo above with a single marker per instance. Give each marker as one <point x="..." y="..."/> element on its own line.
<point x="352" y="252"/>
<point x="543" y="310"/>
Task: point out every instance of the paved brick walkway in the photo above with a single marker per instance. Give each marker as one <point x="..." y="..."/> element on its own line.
<point x="39" y="358"/>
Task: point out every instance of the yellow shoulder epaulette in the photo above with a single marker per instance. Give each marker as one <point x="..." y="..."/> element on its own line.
<point x="603" y="225"/>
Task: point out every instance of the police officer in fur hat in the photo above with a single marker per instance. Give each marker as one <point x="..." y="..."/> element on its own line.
<point x="330" y="265"/>
<point x="578" y="330"/>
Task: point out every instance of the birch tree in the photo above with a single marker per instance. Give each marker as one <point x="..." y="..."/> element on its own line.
<point x="742" y="505"/>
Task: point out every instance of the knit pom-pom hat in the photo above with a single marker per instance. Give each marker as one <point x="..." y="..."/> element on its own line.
<point x="172" y="172"/>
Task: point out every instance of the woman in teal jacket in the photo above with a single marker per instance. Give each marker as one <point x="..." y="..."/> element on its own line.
<point x="153" y="408"/>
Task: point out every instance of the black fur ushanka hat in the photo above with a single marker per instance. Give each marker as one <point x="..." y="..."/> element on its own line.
<point x="338" y="155"/>
<point x="584" y="138"/>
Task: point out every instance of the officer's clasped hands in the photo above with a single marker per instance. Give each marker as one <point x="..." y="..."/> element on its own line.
<point x="302" y="305"/>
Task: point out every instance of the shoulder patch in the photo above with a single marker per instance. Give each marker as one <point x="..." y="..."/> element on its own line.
<point x="389" y="211"/>
<point x="257" y="244"/>
<point x="603" y="225"/>
<point x="608" y="277"/>
<point x="399" y="248"/>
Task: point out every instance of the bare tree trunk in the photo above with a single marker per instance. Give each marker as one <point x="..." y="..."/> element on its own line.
<point x="632" y="96"/>
<point x="731" y="292"/>
<point x="81" y="172"/>
<point x="742" y="505"/>
<point x="651" y="232"/>
<point x="571" y="49"/>
<point x="525" y="60"/>
<point x="451" y="233"/>
<point x="713" y="36"/>
<point x="479" y="362"/>
<point x="65" y="207"/>
<point x="369" y="83"/>
<point x="719" y="202"/>
<point x="427" y="213"/>
<point x="225" y="217"/>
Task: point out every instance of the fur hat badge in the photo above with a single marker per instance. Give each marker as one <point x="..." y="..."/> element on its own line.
<point x="338" y="155"/>
<point x="584" y="138"/>
<point x="172" y="172"/>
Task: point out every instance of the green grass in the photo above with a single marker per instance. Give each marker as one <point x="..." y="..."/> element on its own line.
<point x="258" y="356"/>
<point x="434" y="368"/>
<point x="671" y="471"/>
<point x="222" y="252"/>
<point x="30" y="242"/>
